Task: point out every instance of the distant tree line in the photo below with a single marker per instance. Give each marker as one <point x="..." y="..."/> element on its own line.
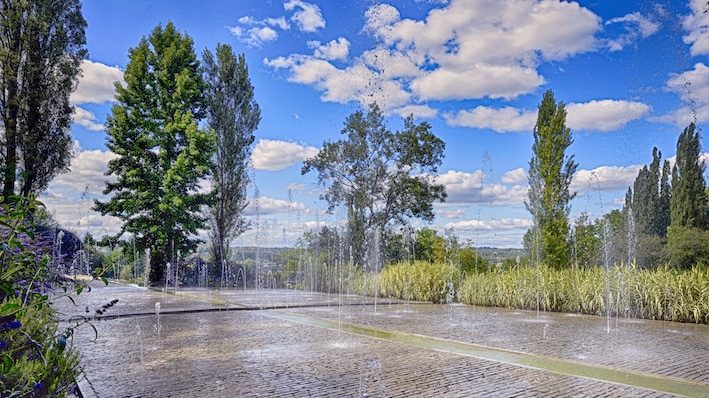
<point x="665" y="218"/>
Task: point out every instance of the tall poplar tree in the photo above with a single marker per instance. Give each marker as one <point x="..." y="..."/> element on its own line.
<point x="688" y="203"/>
<point x="550" y="174"/>
<point x="42" y="43"/>
<point x="162" y="152"/>
<point x="234" y="115"/>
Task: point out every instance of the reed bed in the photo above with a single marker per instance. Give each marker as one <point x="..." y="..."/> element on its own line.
<point x="625" y="291"/>
<point x="421" y="281"/>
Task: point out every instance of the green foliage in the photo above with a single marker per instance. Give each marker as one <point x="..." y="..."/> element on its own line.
<point x="234" y="115"/>
<point x="687" y="246"/>
<point x="689" y="203"/>
<point x="470" y="261"/>
<point x="162" y="152"/>
<point x="379" y="175"/>
<point x="42" y="44"/>
<point x="421" y="281"/>
<point x="587" y="242"/>
<point x="646" y="198"/>
<point x="662" y="293"/>
<point x="550" y="174"/>
<point x="33" y="358"/>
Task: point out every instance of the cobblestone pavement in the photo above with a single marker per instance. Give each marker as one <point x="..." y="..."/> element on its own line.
<point x="251" y="354"/>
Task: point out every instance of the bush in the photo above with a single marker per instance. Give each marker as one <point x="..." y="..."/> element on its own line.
<point x="34" y="360"/>
<point x="687" y="246"/>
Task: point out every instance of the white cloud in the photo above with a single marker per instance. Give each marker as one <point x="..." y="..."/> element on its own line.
<point x="464" y="187"/>
<point x="507" y="119"/>
<point x="502" y="224"/>
<point x="697" y="26"/>
<point x="88" y="169"/>
<point x="255" y="36"/>
<point x="295" y="187"/>
<point x="266" y="206"/>
<point x="308" y="16"/>
<point x="604" y="115"/>
<point x="636" y="26"/>
<point x="605" y="178"/>
<point x="96" y="84"/>
<point x="465" y="49"/>
<point x="692" y="87"/>
<point x="455" y="213"/>
<point x="70" y="195"/>
<point x="422" y="111"/>
<point x="477" y="81"/>
<point x="332" y="50"/>
<point x="517" y="176"/>
<point x="597" y="115"/>
<point x="354" y="83"/>
<point x="277" y="155"/>
<point x="87" y="119"/>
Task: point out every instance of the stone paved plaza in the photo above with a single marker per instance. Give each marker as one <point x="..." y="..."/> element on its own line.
<point x="286" y="343"/>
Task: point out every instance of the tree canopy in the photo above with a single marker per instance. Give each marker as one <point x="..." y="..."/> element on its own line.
<point x="162" y="154"/>
<point x="378" y="175"/>
<point x="550" y="174"/>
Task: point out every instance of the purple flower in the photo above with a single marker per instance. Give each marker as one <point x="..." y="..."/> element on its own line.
<point x="38" y="385"/>
<point x="3" y="344"/>
<point x="11" y="325"/>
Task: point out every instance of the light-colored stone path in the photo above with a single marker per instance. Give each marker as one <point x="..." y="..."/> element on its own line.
<point x="261" y="353"/>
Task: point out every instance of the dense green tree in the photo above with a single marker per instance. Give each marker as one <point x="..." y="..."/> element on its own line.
<point x="380" y="176"/>
<point x="688" y="203"/>
<point x="587" y="243"/>
<point x="162" y="153"/>
<point x="663" y="207"/>
<point x="234" y="115"/>
<point x="550" y="174"/>
<point x="42" y="43"/>
<point x="646" y="197"/>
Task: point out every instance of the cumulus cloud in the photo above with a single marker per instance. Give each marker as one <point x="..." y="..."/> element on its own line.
<point x="597" y="115"/>
<point x="70" y="196"/>
<point x="454" y="213"/>
<point x="307" y="16"/>
<point x="697" y="26"/>
<point x="354" y="83"/>
<point x="87" y="119"/>
<point x="275" y="155"/>
<point x="96" y="86"/>
<point x="636" y="26"/>
<point x="465" y="49"/>
<point x="502" y="120"/>
<point x="469" y="188"/>
<point x="87" y="172"/>
<point x="503" y="224"/>
<point x="332" y="50"/>
<point x="97" y="83"/>
<point x="255" y="36"/>
<point x="266" y="206"/>
<point x="692" y="87"/>
<point x="257" y="32"/>
<point x="604" y="115"/>
<point x="605" y="178"/>
<point x="517" y="176"/>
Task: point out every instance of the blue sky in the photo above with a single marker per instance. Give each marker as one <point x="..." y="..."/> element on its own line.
<point x="632" y="73"/>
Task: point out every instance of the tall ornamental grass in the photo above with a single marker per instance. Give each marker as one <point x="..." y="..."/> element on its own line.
<point x="421" y="281"/>
<point x="626" y="291"/>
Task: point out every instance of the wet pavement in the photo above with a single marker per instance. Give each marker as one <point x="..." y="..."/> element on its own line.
<point x="317" y="347"/>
